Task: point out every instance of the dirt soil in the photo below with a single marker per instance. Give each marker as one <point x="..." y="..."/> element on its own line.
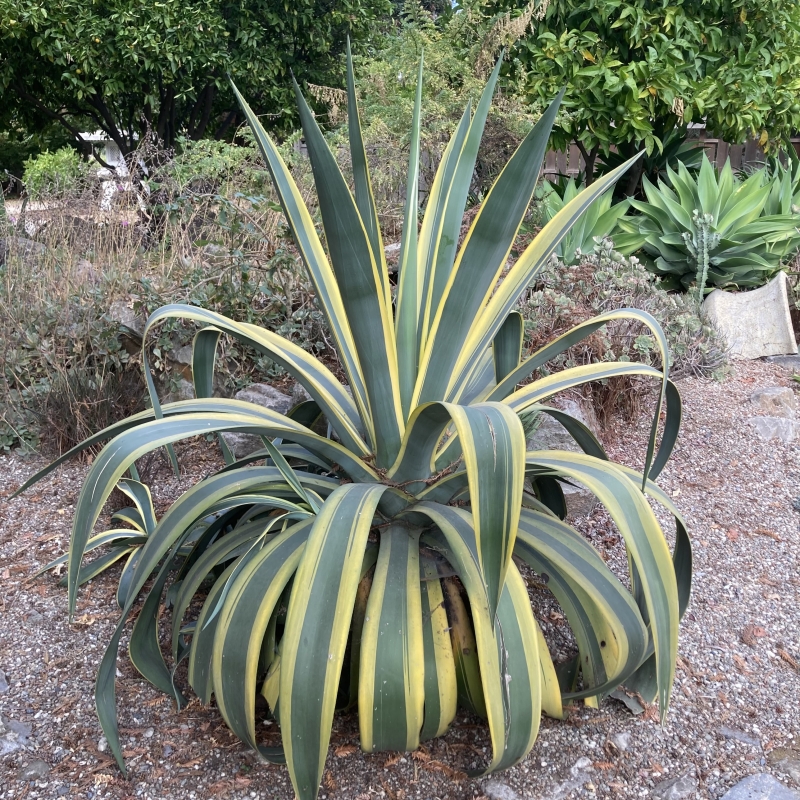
<point x="734" y="710"/>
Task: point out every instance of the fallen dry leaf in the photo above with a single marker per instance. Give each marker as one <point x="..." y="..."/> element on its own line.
<point x="767" y="532"/>
<point x="392" y="760"/>
<point x="603" y="765"/>
<point x="741" y="664"/>
<point x="788" y="658"/>
<point x="345" y="750"/>
<point x="329" y="782"/>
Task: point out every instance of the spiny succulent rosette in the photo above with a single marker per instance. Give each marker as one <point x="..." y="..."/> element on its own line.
<point x="373" y="569"/>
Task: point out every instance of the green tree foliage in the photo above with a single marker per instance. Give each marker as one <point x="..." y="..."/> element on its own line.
<point x="639" y="69"/>
<point x="124" y="66"/>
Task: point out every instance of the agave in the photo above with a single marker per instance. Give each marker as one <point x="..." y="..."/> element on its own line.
<point x="712" y="225"/>
<point x="378" y="568"/>
<point x="598" y="222"/>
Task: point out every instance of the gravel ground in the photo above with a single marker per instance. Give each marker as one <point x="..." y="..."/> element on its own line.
<point x="734" y="709"/>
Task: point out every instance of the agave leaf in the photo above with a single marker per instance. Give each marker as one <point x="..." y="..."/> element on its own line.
<point x="317" y="625"/>
<point x="409" y="278"/>
<point x="441" y="688"/>
<point x="204" y="356"/>
<point x="308" y="243"/>
<point x="391" y="688"/>
<point x="480" y="262"/>
<point x="243" y="622"/>
<point x="507" y="345"/>
<point x="442" y="253"/>
<point x="646" y="546"/>
<point x="364" y="290"/>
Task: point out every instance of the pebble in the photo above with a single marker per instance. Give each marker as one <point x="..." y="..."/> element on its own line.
<point x="786" y="760"/>
<point x="496" y="790"/>
<point x="760" y="787"/>
<point x="678" y="788"/>
<point x="3" y="682"/>
<point x="740" y="736"/>
<point x="148" y="733"/>
<point x="34" y="771"/>
<point x="102" y="745"/>
<point x="622" y="741"/>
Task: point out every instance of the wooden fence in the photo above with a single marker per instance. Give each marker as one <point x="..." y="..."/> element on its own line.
<point x="742" y="156"/>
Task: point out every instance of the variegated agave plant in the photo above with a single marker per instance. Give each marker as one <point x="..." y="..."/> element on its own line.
<point x="374" y="568"/>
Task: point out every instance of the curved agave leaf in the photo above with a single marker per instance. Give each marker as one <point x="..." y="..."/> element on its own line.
<point x="646" y="546"/>
<point x="492" y="443"/>
<point x="441" y="693"/>
<point x="311" y="373"/>
<point x="391" y="688"/>
<point x="507" y="641"/>
<point x="611" y="635"/>
<point x="319" y="270"/>
<point x="317" y="624"/>
<point x="243" y="623"/>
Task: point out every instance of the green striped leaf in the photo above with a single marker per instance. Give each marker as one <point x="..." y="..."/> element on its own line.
<point x="364" y="290"/>
<point x="391" y="690"/>
<point x="319" y="270"/>
<point x="441" y="689"/>
<point x="316" y="632"/>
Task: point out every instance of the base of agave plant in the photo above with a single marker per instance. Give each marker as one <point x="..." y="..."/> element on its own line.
<point x="755" y="323"/>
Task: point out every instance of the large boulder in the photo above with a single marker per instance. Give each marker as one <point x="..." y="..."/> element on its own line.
<point x="262" y="394"/>
<point x="551" y="435"/>
<point x="755" y="323"/>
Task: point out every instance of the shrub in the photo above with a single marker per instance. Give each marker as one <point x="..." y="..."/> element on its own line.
<point x="709" y="230"/>
<point x="564" y="296"/>
<point x="330" y="575"/>
<point x="596" y="224"/>
<point x="55" y="174"/>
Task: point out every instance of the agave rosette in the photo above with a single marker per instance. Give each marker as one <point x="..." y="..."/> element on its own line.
<point x="752" y="229"/>
<point x="374" y="568"/>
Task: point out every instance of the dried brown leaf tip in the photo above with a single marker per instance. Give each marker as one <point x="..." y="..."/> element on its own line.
<point x="789" y="658"/>
<point x="345" y="750"/>
<point x="393" y="759"/>
<point x="329" y="782"/>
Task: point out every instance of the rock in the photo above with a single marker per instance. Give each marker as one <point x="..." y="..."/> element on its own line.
<point x="496" y="790"/>
<point x="26" y="250"/>
<point x="266" y="396"/>
<point x="786" y="430"/>
<point x="760" y="787"/>
<point x="85" y="272"/>
<point x="740" y="736"/>
<point x="120" y="312"/>
<point x="622" y="741"/>
<point x="790" y="362"/>
<point x="579" y="774"/>
<point x="755" y="323"/>
<point x="787" y="761"/>
<point x="777" y="401"/>
<point x="181" y="355"/>
<point x="262" y="394"/>
<point x="34" y="771"/>
<point x="102" y="745"/>
<point x="677" y="788"/>
<point x="3" y="682"/>
<point x="182" y="389"/>
<point x="299" y="394"/>
<point x="13" y="735"/>
<point x="551" y="435"/>
<point x="148" y="733"/>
